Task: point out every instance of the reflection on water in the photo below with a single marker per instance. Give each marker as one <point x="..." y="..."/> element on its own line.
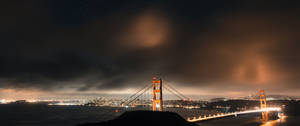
<point x="270" y="123"/>
<point x="252" y="120"/>
<point x="277" y="122"/>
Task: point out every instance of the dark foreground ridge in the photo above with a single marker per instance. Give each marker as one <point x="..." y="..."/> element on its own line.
<point x="145" y="118"/>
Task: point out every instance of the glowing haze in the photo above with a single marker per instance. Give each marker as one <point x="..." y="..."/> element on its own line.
<point x="220" y="48"/>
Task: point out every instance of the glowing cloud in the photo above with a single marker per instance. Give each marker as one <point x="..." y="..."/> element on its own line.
<point x="148" y="29"/>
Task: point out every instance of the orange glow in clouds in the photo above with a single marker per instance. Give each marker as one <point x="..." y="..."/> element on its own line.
<point x="255" y="71"/>
<point x="253" y="67"/>
<point x="148" y="30"/>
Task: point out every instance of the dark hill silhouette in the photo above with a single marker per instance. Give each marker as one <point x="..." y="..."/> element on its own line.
<point x="292" y="108"/>
<point x="145" y="118"/>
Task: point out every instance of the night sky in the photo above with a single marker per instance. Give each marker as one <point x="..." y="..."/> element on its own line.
<point x="213" y="47"/>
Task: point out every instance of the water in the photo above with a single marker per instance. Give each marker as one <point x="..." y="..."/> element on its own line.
<point x="43" y="115"/>
<point x="252" y="120"/>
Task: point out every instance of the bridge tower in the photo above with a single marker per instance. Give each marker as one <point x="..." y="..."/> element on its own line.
<point x="157" y="95"/>
<point x="263" y="104"/>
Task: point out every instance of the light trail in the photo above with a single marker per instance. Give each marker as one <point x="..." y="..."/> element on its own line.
<point x="220" y="115"/>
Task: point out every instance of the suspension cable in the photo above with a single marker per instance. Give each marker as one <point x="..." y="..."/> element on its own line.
<point x="146" y="86"/>
<point x="185" y="97"/>
<point x="171" y="91"/>
<point x="146" y="89"/>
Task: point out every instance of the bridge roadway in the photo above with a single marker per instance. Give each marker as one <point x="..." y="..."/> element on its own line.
<point x="221" y="115"/>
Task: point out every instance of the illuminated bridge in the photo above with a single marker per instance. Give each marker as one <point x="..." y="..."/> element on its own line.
<point x="150" y="97"/>
<point x="221" y="115"/>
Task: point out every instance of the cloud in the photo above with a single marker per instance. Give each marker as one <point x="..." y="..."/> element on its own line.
<point x="56" y="46"/>
<point x="148" y="30"/>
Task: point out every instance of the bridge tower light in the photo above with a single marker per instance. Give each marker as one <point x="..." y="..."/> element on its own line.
<point x="157" y="95"/>
<point x="263" y="104"/>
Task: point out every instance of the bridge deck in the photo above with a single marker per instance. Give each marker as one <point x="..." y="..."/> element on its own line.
<point x="221" y="115"/>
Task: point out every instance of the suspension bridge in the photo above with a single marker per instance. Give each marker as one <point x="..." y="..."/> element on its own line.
<point x="156" y="97"/>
